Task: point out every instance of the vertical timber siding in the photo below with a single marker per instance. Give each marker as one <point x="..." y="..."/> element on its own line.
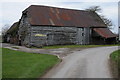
<point x="83" y="36"/>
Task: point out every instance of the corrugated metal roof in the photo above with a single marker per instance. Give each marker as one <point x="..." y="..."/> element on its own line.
<point x="13" y="28"/>
<point x="44" y="15"/>
<point x="104" y="32"/>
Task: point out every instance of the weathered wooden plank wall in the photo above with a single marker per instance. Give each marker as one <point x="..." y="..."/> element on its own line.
<point x="24" y="31"/>
<point x="59" y="35"/>
<point x="49" y="35"/>
<point x="53" y="35"/>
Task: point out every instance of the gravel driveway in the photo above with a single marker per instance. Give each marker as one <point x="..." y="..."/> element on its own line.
<point x="88" y="63"/>
<point x="60" y="52"/>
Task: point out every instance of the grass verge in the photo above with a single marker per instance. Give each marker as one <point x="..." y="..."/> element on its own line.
<point x="74" y="46"/>
<point x="115" y="61"/>
<point x="115" y="56"/>
<point x="17" y="64"/>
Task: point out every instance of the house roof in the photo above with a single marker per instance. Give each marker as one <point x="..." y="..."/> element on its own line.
<point x="104" y="32"/>
<point x="52" y="16"/>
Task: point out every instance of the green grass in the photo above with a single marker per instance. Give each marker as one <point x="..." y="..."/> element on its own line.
<point x="115" y="56"/>
<point x="17" y="64"/>
<point x="74" y="46"/>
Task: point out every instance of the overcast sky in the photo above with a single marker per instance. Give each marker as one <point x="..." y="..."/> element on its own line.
<point x="11" y="12"/>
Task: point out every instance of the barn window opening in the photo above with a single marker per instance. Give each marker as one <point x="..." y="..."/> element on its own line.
<point x="82" y="34"/>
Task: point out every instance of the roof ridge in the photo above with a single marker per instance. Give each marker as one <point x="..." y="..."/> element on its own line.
<point x="58" y="8"/>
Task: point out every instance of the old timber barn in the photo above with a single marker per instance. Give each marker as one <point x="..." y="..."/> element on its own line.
<point x="44" y="25"/>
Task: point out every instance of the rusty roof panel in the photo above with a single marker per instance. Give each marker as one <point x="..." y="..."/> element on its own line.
<point x="41" y="15"/>
<point x="104" y="32"/>
<point x="13" y="28"/>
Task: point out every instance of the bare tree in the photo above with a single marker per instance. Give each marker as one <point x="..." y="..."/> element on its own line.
<point x="97" y="9"/>
<point x="5" y="29"/>
<point x="107" y="21"/>
<point x="94" y="9"/>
